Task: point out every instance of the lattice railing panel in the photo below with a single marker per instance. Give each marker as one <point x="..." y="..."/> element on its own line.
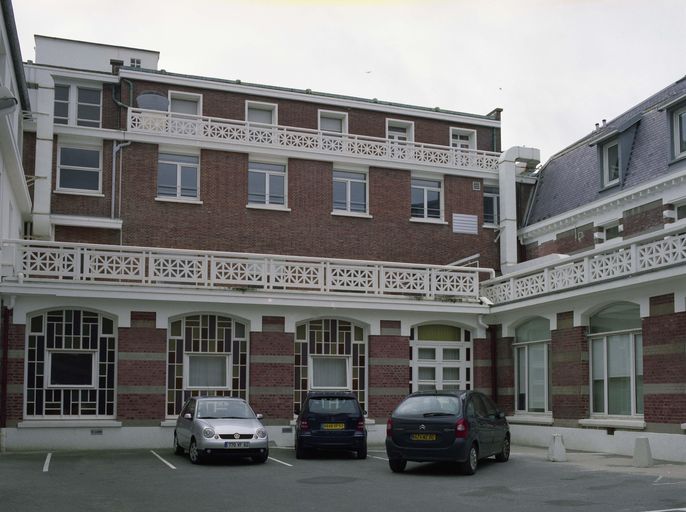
<point x="399" y="280"/>
<point x="453" y="283"/>
<point x="113" y="266"/>
<point x="297" y="275"/>
<point x="567" y="276"/>
<point x="667" y="251"/>
<point x="177" y="269"/>
<point x="529" y="285"/>
<point x="231" y="271"/>
<point x="605" y="266"/>
<point x="352" y="278"/>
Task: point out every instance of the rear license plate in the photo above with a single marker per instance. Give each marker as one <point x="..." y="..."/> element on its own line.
<point x="333" y="426"/>
<point x="236" y="444"/>
<point x="423" y="437"/>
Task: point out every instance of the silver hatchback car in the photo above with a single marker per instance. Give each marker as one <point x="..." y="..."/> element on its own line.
<point x="216" y="425"/>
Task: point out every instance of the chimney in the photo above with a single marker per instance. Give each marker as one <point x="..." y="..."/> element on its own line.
<point x="597" y="127"/>
<point x="116" y="64"/>
<point x="604" y="123"/>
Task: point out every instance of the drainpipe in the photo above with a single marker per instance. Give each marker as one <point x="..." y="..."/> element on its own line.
<point x="119" y="103"/>
<point x="507" y="171"/>
<point x="115" y="149"/>
<point x="5" y="340"/>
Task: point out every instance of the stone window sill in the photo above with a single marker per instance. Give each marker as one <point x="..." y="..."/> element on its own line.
<point x="531" y="419"/>
<point x="168" y="423"/>
<point x="631" y="423"/>
<point x="69" y="424"/>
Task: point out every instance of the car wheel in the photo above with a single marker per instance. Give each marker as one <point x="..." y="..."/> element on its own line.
<point x="261" y="459"/>
<point x="299" y="451"/>
<point x="504" y="454"/>
<point x="397" y="465"/>
<point x="362" y="452"/>
<point x="468" y="467"/>
<point x="178" y="449"/>
<point x="194" y="454"/>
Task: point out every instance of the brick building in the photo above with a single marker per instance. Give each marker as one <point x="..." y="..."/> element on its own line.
<point x="193" y="235"/>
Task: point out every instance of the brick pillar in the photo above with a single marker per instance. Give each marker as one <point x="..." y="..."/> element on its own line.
<point x="569" y="367"/>
<point x="15" y="373"/>
<point x="664" y="363"/>
<point x="482" y="361"/>
<point x="505" y="374"/>
<point x="271" y="370"/>
<point x="389" y="369"/>
<point x="141" y="370"/>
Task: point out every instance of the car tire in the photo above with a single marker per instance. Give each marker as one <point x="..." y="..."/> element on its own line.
<point x="299" y="451"/>
<point x="178" y="449"/>
<point x="397" y="465"/>
<point x="504" y="454"/>
<point x="469" y="466"/>
<point x="362" y="452"/>
<point x="261" y="459"/>
<point x="194" y="454"/>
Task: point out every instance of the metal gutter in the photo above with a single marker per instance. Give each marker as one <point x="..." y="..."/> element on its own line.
<point x="15" y="50"/>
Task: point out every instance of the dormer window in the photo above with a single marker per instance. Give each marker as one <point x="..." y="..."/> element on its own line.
<point x="680" y="133"/>
<point x="462" y="139"/>
<point x="611" y="163"/>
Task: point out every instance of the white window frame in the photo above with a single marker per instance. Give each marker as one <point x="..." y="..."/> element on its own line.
<point x="441" y="190"/>
<point x="675" y="116"/>
<point x="188" y="96"/>
<point x="135" y="62"/>
<point x="94" y="369"/>
<point x="496" y="207"/>
<point x="632" y="333"/>
<point x="546" y="367"/>
<point x="347" y="211"/>
<point x="73" y="103"/>
<point x="187" y="369"/>
<point x="267" y="205"/>
<point x="677" y="206"/>
<point x="332" y="114"/>
<point x="601" y="236"/>
<point x="260" y="105"/>
<point x="348" y="371"/>
<point x="178" y="197"/>
<point x="439" y="363"/>
<point x="78" y="191"/>
<point x="606" y="167"/>
<point x="400" y="123"/>
<point x="463" y="131"/>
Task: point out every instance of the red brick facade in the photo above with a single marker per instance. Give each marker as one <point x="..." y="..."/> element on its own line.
<point x="570" y="377"/>
<point x="388" y="373"/>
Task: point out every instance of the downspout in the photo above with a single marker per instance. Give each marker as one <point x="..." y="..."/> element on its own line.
<point x="119" y="103"/>
<point x="5" y="340"/>
<point x="115" y="149"/>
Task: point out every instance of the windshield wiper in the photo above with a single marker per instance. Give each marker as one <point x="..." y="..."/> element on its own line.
<point x="428" y="414"/>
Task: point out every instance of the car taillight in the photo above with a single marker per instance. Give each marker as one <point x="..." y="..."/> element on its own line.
<point x="360" y="425"/>
<point x="461" y="428"/>
<point x="304" y="425"/>
<point x="389" y="427"/>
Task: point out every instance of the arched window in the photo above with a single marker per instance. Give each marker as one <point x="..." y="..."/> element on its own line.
<point x="616" y="347"/>
<point x="329" y="354"/>
<point x="440" y="357"/>
<point x="532" y="366"/>
<point x="70" y="364"/>
<point x="206" y="355"/>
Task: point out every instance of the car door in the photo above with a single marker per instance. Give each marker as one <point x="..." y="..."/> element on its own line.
<point x="184" y="425"/>
<point x="484" y="425"/>
<point x="498" y="423"/>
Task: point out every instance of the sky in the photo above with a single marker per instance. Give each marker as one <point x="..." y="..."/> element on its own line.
<point x="555" y="67"/>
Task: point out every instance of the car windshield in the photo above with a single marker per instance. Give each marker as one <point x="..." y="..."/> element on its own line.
<point x="217" y="409"/>
<point x="333" y="405"/>
<point x="429" y="405"/>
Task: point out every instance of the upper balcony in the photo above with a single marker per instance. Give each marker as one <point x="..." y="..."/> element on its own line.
<point x="645" y="254"/>
<point x="55" y="263"/>
<point x="355" y="148"/>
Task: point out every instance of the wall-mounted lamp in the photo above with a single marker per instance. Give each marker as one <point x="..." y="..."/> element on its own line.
<point x="7" y="101"/>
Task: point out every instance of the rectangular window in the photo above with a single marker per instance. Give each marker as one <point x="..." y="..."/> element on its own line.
<point x="681" y="211"/>
<point x="88" y="107"/>
<point x="330" y="373"/>
<point x="135" y="63"/>
<point x="71" y="369"/>
<point x="266" y="183"/>
<point x="491" y="205"/>
<point x="680" y="132"/>
<point x="185" y="103"/>
<point x="399" y="131"/>
<point x="79" y="169"/>
<point x="61" y="104"/>
<point x="533" y="377"/>
<point x="263" y="113"/>
<point x="462" y="139"/>
<point x="336" y="122"/>
<point x="350" y="191"/>
<point x="178" y="176"/>
<point x="617" y="374"/>
<point x="440" y="365"/>
<point x="208" y="372"/>
<point x="77" y="105"/>
<point x="426" y="199"/>
<point x="610" y="163"/>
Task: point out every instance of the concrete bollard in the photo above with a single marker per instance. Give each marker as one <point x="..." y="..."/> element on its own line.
<point x="643" y="458"/>
<point x="556" y="449"/>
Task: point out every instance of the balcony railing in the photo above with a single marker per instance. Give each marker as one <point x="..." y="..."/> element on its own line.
<point x="648" y="253"/>
<point x="104" y="264"/>
<point x="258" y="135"/>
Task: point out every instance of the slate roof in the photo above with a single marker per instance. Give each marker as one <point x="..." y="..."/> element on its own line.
<point x="572" y="177"/>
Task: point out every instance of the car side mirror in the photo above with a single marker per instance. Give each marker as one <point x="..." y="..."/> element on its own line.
<point x="259" y="416"/>
<point x="501" y="415"/>
<point x="188" y="416"/>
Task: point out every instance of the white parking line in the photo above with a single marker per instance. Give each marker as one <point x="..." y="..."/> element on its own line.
<point x="380" y="458"/>
<point x="46" y="466"/>
<point x="167" y="463"/>
<point x="281" y="462"/>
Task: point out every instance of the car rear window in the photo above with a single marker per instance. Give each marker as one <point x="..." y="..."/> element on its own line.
<point x="432" y="405"/>
<point x="333" y="405"/>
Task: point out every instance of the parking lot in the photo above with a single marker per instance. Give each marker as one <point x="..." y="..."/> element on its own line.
<point x="159" y="480"/>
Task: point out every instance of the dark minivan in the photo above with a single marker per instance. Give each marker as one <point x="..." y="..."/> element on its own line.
<point x="331" y="420"/>
<point x="461" y="426"/>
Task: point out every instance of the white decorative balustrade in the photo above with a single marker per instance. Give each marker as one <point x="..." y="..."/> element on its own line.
<point x="106" y="264"/>
<point x="648" y="253"/>
<point x="214" y="129"/>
